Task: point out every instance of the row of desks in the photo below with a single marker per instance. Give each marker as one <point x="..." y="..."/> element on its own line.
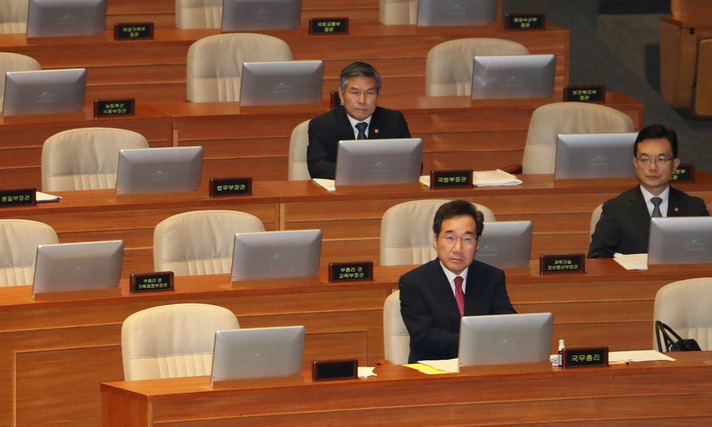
<point x="458" y="132"/>
<point x="54" y="354"/>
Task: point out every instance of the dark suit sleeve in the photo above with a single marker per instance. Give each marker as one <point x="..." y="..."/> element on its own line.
<point x="500" y="298"/>
<point x="605" y="237"/>
<point x="318" y="161"/>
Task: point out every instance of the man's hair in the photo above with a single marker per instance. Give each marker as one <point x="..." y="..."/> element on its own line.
<point x="455" y="208"/>
<point x="359" y="69"/>
<point x="656" y="132"/>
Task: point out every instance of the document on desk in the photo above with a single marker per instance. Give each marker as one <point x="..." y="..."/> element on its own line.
<point x="437" y="366"/>
<point x="326" y="184"/>
<point x="637" y="356"/>
<point x="485" y="178"/>
<point x="632" y="261"/>
<point x="41" y="197"/>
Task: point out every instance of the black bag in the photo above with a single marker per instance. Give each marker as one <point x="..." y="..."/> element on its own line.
<point x="676" y="344"/>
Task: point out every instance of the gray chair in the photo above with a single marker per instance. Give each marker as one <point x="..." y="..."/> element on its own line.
<point x="19" y="239"/>
<point x="686" y="306"/>
<point x="396" y="339"/>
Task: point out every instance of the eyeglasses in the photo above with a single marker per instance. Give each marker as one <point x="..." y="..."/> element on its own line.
<point x="465" y="240"/>
<point x="661" y="160"/>
<point x="366" y="93"/>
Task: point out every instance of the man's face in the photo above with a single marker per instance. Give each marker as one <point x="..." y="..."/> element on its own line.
<point x="655" y="164"/>
<point x="457" y="243"/>
<point x="360" y="97"/>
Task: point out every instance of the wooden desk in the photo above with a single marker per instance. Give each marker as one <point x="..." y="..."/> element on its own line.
<point x="644" y="392"/>
<point x="55" y="353"/>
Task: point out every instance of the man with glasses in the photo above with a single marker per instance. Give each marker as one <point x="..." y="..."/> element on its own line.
<point x="357" y="118"/>
<point x="625" y="221"/>
<point x="437" y="294"/>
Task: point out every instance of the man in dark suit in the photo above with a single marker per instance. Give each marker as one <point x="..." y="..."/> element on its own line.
<point x="437" y="294"/>
<point x="625" y="221"/>
<point x="360" y="85"/>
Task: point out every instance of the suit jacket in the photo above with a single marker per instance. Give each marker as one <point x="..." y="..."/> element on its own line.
<point x="326" y="130"/>
<point x="430" y="312"/>
<point x="625" y="222"/>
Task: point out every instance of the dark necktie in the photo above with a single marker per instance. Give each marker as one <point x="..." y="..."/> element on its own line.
<point x="361" y="128"/>
<point x="656" y="209"/>
<point x="459" y="295"/>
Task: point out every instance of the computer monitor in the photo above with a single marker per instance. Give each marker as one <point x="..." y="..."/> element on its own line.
<point x="251" y="15"/>
<point x="505" y="338"/>
<point x="680" y="240"/>
<point x="159" y="170"/>
<point x="457" y="12"/>
<point x="506" y="244"/>
<point x="56" y="18"/>
<point x="595" y="155"/>
<point x="513" y="76"/>
<point x="78" y="266"/>
<point x="378" y="161"/>
<point x="284" y="82"/>
<point x="258" y="353"/>
<point x="276" y="254"/>
<point x="44" y="92"/>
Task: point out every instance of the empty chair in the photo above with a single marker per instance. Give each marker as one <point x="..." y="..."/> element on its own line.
<point x="398" y="12"/>
<point x="407" y="231"/>
<point x="448" y="66"/>
<point x="200" y="242"/>
<point x="215" y="63"/>
<point x="684" y="305"/>
<point x="13" y="16"/>
<point x="172" y="341"/>
<point x="396" y="339"/>
<point x="85" y="158"/>
<point x="198" y="13"/>
<point x="14" y="62"/>
<point x="548" y="121"/>
<point x="18" y="248"/>
<point x="298" y="143"/>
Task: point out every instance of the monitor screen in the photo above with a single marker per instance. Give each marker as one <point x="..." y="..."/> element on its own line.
<point x="513" y="76"/>
<point x="285" y="82"/>
<point x="53" y="18"/>
<point x="457" y="12"/>
<point x="379" y="161"/>
<point x="506" y="244"/>
<point x="251" y="15"/>
<point x="258" y="353"/>
<point x="44" y="92"/>
<point x="78" y="266"/>
<point x="680" y="240"/>
<point x="276" y="254"/>
<point x="595" y="155"/>
<point x="505" y="338"/>
<point x="159" y="170"/>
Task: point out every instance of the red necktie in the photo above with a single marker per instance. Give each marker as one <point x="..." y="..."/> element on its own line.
<point x="460" y="295"/>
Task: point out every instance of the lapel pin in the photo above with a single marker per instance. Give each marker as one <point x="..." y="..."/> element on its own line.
<point x="676" y="209"/>
<point x="375" y="131"/>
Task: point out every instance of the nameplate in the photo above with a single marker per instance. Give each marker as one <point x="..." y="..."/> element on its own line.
<point x="584" y="93"/>
<point x="524" y="21"/>
<point x="104" y="108"/>
<point x="350" y="271"/>
<point x="685" y="173"/>
<point x="222" y="187"/>
<point x="20" y="197"/>
<point x="562" y="263"/>
<point x="584" y="357"/>
<point x="159" y="281"/>
<point x="139" y="31"/>
<point x="329" y="370"/>
<point x="451" y="178"/>
<point x="326" y="26"/>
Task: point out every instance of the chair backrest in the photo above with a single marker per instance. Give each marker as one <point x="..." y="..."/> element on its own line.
<point x="18" y="248"/>
<point x="85" y="158"/>
<point x="14" y="62"/>
<point x="685" y="306"/>
<point x="407" y="231"/>
<point x="398" y="12"/>
<point x="548" y="121"/>
<point x="448" y="66"/>
<point x="396" y="339"/>
<point x="13" y="16"/>
<point x="198" y="13"/>
<point x="172" y="341"/>
<point x="298" y="143"/>
<point x="200" y="242"/>
<point x="215" y="63"/>
<point x="595" y="216"/>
